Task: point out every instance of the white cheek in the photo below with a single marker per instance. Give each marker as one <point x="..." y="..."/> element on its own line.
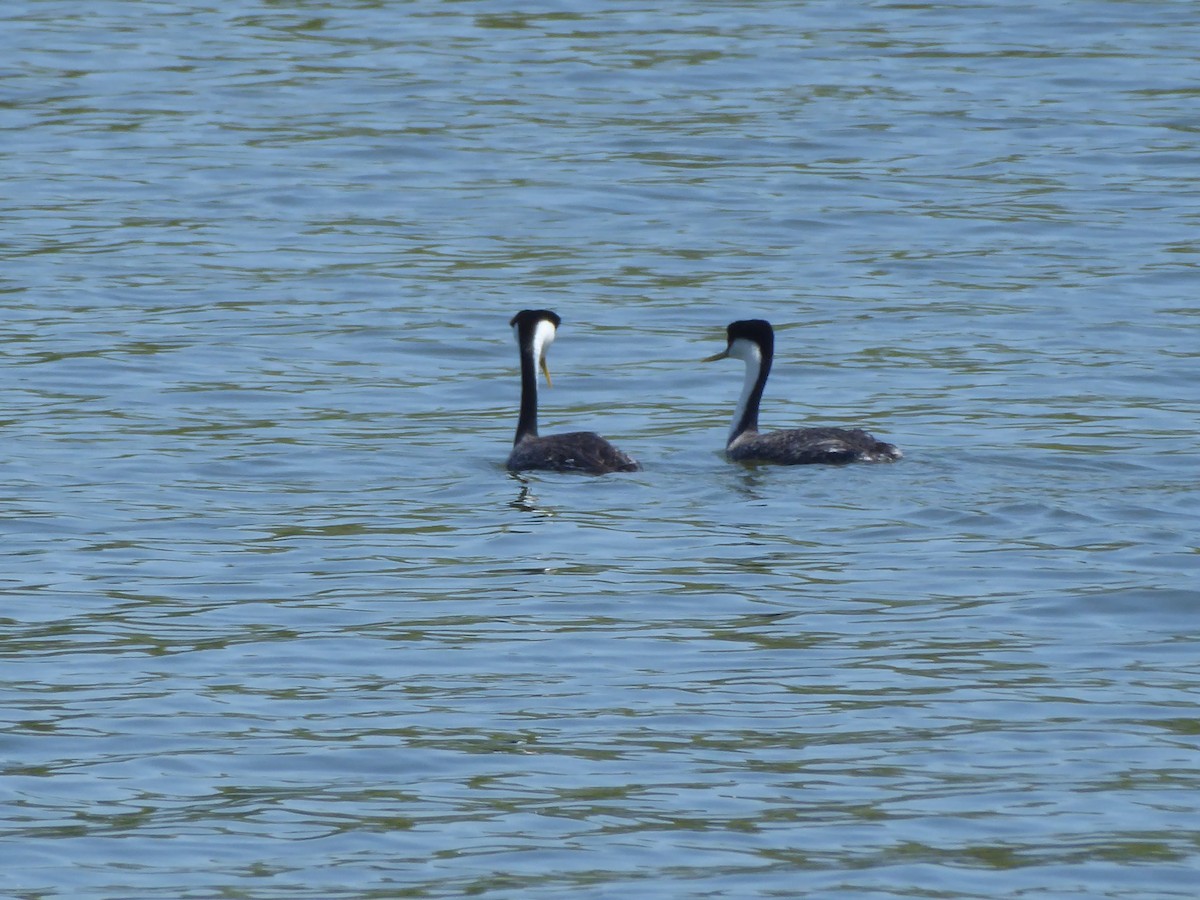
<point x="744" y="350"/>
<point x="543" y="335"/>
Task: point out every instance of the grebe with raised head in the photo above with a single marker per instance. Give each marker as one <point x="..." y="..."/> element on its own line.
<point x="753" y="341"/>
<point x="576" y="451"/>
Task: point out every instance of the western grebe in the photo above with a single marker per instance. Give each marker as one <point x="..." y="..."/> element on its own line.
<point x="753" y="340"/>
<point x="577" y="451"/>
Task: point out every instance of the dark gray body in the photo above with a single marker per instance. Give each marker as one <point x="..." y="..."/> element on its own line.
<point x="575" y="451"/>
<point x="802" y="446"/>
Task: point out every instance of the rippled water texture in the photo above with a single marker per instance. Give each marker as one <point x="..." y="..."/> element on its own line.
<point x="276" y="623"/>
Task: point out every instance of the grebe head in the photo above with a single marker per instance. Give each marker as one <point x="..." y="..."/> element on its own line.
<point x="534" y="330"/>
<point x="747" y="339"/>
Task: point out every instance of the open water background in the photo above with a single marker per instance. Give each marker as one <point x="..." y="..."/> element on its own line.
<point x="275" y="622"/>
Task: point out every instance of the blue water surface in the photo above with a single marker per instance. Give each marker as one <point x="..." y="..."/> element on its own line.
<point x="275" y="622"/>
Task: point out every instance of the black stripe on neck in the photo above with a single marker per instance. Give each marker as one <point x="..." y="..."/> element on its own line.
<point x="526" y="322"/>
<point x="527" y="422"/>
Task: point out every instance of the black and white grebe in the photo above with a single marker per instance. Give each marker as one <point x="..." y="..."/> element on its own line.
<point x="576" y="451"/>
<point x="753" y="340"/>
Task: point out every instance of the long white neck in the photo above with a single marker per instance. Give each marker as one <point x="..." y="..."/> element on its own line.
<point x="745" y="415"/>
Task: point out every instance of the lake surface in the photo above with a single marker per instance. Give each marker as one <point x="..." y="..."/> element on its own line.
<point x="276" y="622"/>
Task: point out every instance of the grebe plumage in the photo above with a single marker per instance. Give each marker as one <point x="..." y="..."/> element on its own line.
<point x="576" y="451"/>
<point x="753" y="341"/>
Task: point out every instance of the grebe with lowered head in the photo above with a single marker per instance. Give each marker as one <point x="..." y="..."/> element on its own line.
<point x="576" y="451"/>
<point x="753" y="340"/>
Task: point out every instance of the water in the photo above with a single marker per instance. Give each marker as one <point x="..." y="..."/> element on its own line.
<point x="276" y="622"/>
